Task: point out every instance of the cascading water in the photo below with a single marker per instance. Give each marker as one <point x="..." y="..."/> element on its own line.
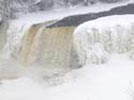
<point x="47" y="46"/>
<point x="36" y="46"/>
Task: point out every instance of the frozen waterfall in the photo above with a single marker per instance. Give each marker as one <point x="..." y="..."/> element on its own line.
<point x="95" y="41"/>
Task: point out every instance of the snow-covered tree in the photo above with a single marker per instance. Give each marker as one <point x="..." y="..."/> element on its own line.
<point x="5" y="7"/>
<point x="10" y="7"/>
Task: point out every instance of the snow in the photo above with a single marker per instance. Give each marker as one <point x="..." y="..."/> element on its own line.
<point x="110" y="21"/>
<point x="40" y="17"/>
<point x="110" y="81"/>
<point x="37" y="1"/>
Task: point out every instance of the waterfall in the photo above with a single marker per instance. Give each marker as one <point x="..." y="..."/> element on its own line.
<point x="63" y="48"/>
<point x="47" y="46"/>
<point x="35" y="45"/>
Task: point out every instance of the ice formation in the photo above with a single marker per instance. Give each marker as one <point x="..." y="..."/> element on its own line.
<point x="95" y="40"/>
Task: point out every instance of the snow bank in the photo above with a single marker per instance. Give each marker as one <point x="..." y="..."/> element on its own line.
<point x="112" y="34"/>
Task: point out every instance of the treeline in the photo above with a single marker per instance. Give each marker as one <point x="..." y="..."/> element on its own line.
<point x="34" y="5"/>
<point x="9" y="8"/>
<point x="5" y="9"/>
